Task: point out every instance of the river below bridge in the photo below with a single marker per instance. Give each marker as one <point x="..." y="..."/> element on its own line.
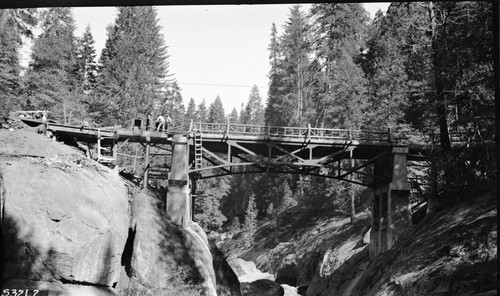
<point x="248" y="273"/>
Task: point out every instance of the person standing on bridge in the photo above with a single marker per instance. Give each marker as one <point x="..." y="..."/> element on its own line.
<point x="149" y="121"/>
<point x="44" y="123"/>
<point x="168" y="121"/>
<point x="160" y="121"/>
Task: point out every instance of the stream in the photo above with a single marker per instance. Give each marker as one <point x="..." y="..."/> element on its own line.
<point x="247" y="272"/>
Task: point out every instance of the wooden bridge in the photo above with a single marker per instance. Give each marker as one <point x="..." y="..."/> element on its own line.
<point x="377" y="159"/>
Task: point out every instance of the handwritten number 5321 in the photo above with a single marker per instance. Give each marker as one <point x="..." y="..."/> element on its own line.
<point x="19" y="292"/>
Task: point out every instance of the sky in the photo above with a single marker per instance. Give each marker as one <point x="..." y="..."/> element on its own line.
<point x="214" y="50"/>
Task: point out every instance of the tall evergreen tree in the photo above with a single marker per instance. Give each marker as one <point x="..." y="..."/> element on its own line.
<point x="216" y="112"/>
<point x="233" y="116"/>
<point x="207" y="205"/>
<point x="51" y="82"/>
<point x="250" y="223"/>
<point x="384" y="65"/>
<point x="86" y="61"/>
<point x="173" y="105"/>
<point x="275" y="81"/>
<point x="202" y="112"/>
<point x="191" y="112"/>
<point x="14" y="23"/>
<point x="254" y="109"/>
<point x="338" y="34"/>
<point x="134" y="72"/>
<point x="288" y="91"/>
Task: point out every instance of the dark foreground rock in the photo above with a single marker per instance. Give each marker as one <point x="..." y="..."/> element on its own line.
<point x="262" y="288"/>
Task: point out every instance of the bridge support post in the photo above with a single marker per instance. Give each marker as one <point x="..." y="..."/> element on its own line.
<point x="391" y="215"/>
<point x="146" y="165"/>
<point x="178" y="199"/>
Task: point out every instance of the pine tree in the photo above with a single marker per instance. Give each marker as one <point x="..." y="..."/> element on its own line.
<point x="254" y="109"/>
<point x="384" y="67"/>
<point x="233" y="116"/>
<point x="202" y="112"/>
<point x="14" y="23"/>
<point x="250" y="223"/>
<point x="191" y="112"/>
<point x="51" y="81"/>
<point x="86" y="61"/>
<point x="216" y="112"/>
<point x="275" y="74"/>
<point x="288" y="92"/>
<point x="338" y="33"/>
<point x="134" y="72"/>
<point x="207" y="205"/>
<point x="173" y="105"/>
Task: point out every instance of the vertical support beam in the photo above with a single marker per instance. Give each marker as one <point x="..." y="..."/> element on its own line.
<point x="115" y="150"/>
<point x="399" y="211"/>
<point x="178" y="201"/>
<point x="135" y="159"/>
<point x="146" y="166"/>
<point x="98" y="145"/>
<point x="194" y="194"/>
<point x="391" y="215"/>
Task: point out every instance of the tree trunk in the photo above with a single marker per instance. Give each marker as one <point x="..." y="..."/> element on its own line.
<point x="441" y="106"/>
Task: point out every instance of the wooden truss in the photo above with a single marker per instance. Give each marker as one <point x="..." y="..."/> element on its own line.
<point x="245" y="157"/>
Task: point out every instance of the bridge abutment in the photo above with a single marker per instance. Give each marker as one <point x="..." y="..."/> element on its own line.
<point x="178" y="199"/>
<point x="391" y="215"/>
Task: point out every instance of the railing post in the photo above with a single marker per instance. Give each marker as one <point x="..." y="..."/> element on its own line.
<point x="268" y="131"/>
<point x="227" y="127"/>
<point x="308" y="131"/>
<point x="389" y="135"/>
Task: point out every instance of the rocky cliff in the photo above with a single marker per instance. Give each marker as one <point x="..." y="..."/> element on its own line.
<point x="322" y="253"/>
<point x="70" y="226"/>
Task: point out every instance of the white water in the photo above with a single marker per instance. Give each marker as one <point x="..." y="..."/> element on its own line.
<point x="247" y="272"/>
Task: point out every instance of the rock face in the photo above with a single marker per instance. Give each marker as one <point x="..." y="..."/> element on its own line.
<point x="453" y="252"/>
<point x="164" y="259"/>
<point x="247" y="271"/>
<point x="262" y="287"/>
<point x="227" y="281"/>
<point x="65" y="224"/>
<point x="74" y="227"/>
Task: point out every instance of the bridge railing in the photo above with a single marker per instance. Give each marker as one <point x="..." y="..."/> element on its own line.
<point x="292" y="132"/>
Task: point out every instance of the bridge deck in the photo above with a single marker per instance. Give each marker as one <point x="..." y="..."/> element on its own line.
<point x="216" y="136"/>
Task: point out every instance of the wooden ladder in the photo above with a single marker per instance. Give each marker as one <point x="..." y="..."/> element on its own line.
<point x="105" y="159"/>
<point x="197" y="150"/>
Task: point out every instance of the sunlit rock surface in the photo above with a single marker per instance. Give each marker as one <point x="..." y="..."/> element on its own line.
<point x="74" y="227"/>
<point x="63" y="218"/>
<point x="247" y="271"/>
